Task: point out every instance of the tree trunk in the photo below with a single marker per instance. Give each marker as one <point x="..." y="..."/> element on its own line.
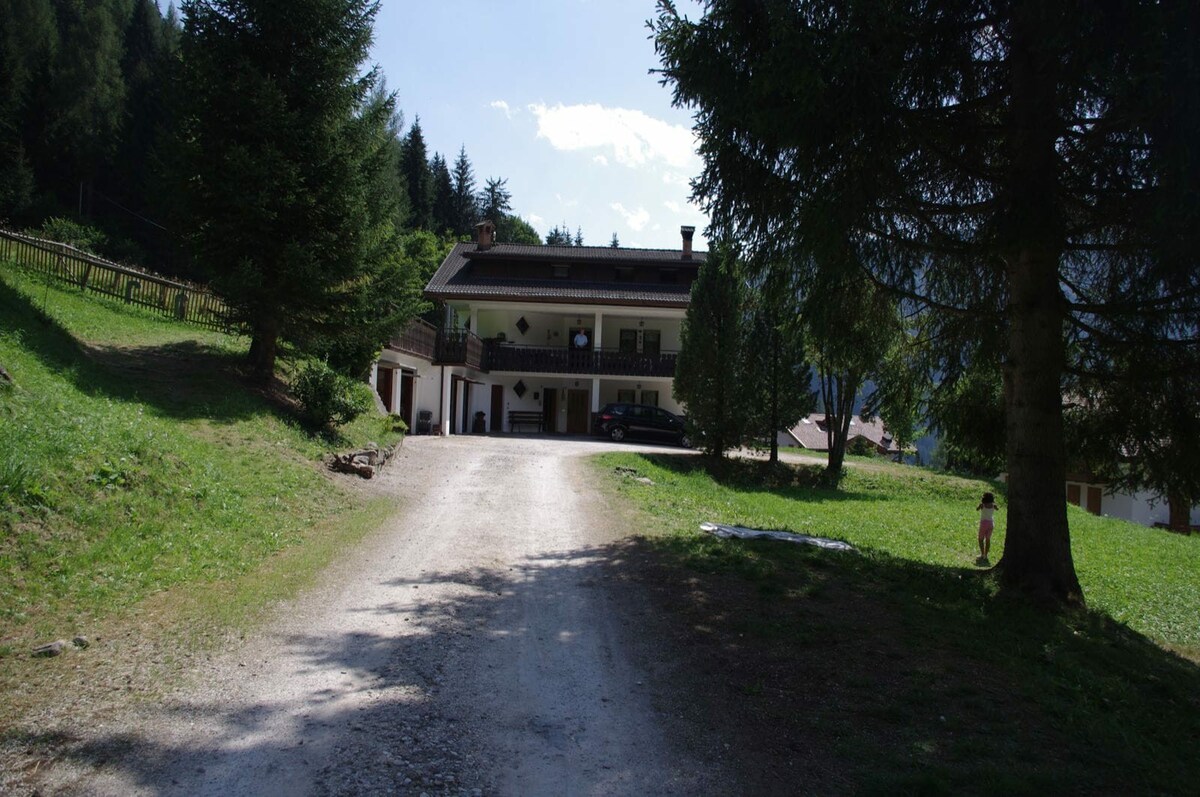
<point x="263" y="348"/>
<point x="837" y="394"/>
<point x="1037" y="551"/>
<point x="1180" y="513"/>
<point x="774" y="422"/>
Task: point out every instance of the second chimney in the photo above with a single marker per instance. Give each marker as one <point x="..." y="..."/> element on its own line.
<point x="687" y="232"/>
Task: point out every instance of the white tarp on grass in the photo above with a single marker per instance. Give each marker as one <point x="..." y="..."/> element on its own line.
<point x="725" y="532"/>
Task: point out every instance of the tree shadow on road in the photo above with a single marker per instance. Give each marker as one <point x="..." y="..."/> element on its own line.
<point x="824" y="674"/>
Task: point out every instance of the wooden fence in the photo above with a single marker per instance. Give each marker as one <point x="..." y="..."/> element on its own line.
<point x="184" y="301"/>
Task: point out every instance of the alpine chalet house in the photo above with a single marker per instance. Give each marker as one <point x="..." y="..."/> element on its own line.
<point x="539" y="338"/>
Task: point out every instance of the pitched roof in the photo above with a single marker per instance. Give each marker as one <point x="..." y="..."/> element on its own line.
<point x="454" y="278"/>
<point x="810" y="432"/>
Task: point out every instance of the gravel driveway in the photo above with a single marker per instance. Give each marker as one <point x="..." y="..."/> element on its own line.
<point x="476" y="645"/>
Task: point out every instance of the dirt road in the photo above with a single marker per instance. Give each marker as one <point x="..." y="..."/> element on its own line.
<point x="477" y="645"/>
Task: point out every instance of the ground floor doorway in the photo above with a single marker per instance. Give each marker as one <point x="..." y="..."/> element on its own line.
<point x="578" y="412"/>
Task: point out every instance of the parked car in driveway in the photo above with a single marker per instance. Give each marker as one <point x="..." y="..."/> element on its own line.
<point x="618" y="421"/>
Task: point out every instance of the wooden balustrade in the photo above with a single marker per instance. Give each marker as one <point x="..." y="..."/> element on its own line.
<point x="603" y="362"/>
<point x="463" y="347"/>
<point x="418" y="338"/>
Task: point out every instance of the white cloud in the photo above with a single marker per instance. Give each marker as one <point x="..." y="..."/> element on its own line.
<point x="631" y="137"/>
<point x="636" y="219"/>
<point x="673" y="206"/>
<point x="502" y="106"/>
<point x="674" y="178"/>
<point x="566" y="203"/>
<point x="535" y="218"/>
<point x="603" y="161"/>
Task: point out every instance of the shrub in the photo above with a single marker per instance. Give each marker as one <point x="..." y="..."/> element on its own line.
<point x="860" y="446"/>
<point x="327" y="397"/>
<point x="80" y="236"/>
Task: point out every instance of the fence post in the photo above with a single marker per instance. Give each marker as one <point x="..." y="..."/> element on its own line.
<point x="181" y="306"/>
<point x="130" y="287"/>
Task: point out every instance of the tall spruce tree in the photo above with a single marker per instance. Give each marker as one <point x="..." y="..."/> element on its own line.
<point x="463" y="208"/>
<point x="87" y="91"/>
<point x="495" y="201"/>
<point x="442" y="210"/>
<point x="712" y="344"/>
<point x="414" y="166"/>
<point x="1024" y="163"/>
<point x="283" y="151"/>
<point x="775" y="369"/>
<point x="28" y="41"/>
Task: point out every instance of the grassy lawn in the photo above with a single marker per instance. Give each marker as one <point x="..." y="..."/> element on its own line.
<point x="902" y="669"/>
<point x="134" y="461"/>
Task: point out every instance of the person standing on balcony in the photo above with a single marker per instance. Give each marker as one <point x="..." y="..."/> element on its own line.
<point x="581" y="339"/>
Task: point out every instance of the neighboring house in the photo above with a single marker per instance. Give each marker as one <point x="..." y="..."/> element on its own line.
<point x="810" y="433"/>
<point x="1143" y="506"/>
<point x="539" y="338"/>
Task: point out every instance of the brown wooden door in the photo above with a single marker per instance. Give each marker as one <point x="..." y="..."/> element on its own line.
<point x="385" y="381"/>
<point x="1093" y="500"/>
<point x="550" y="409"/>
<point x="577" y="412"/>
<point x="406" y="398"/>
<point x="1073" y="494"/>
<point x="497" y="424"/>
<point x="453" y="405"/>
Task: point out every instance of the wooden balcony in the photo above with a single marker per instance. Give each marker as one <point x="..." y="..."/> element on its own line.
<point x="419" y="338"/>
<point x="559" y="360"/>
<point x="462" y="347"/>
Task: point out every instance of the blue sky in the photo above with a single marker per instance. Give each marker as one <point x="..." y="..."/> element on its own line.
<point x="557" y="97"/>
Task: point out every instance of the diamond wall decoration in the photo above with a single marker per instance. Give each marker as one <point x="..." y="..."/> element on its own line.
<point x="522" y="325"/>
<point x="519" y="388"/>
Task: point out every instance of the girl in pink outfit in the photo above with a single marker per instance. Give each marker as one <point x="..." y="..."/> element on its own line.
<point x="987" y="510"/>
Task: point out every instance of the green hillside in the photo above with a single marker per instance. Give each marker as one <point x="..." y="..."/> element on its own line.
<point x="902" y="669"/>
<point x="134" y="459"/>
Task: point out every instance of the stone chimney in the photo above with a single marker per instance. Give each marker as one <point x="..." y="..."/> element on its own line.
<point x="485" y="234"/>
<point x="687" y="232"/>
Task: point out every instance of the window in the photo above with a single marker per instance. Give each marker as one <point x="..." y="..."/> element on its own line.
<point x="668" y="276"/>
<point x="650" y="397"/>
<point x="624" y="273"/>
<point x="628" y="341"/>
<point x="651" y="342"/>
<point x="626" y="397"/>
<point x="560" y="272"/>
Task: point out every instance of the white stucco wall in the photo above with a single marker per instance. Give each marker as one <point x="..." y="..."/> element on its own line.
<point x="1142" y="507"/>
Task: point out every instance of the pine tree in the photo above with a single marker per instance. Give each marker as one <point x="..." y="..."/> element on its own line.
<point x="28" y="40"/>
<point x="578" y="236"/>
<point x="283" y="150"/>
<point x="774" y="369"/>
<point x="88" y="93"/>
<point x="711" y="349"/>
<point x="615" y="243"/>
<point x="494" y="200"/>
<point x="1023" y="170"/>
<point x="558" y="236"/>
<point x="443" y="195"/>
<point x="463" y="208"/>
<point x="414" y="166"/>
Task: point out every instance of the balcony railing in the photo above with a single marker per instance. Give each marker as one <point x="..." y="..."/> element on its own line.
<point x="460" y="347"/>
<point x="539" y="359"/>
<point x="419" y="338"/>
<point x="463" y="347"/>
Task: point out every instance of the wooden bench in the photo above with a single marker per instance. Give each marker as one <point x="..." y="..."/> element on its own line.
<point x="525" y="418"/>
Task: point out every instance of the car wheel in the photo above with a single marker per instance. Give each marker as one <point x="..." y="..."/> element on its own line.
<point x="685" y="441"/>
<point x="617" y="433"/>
